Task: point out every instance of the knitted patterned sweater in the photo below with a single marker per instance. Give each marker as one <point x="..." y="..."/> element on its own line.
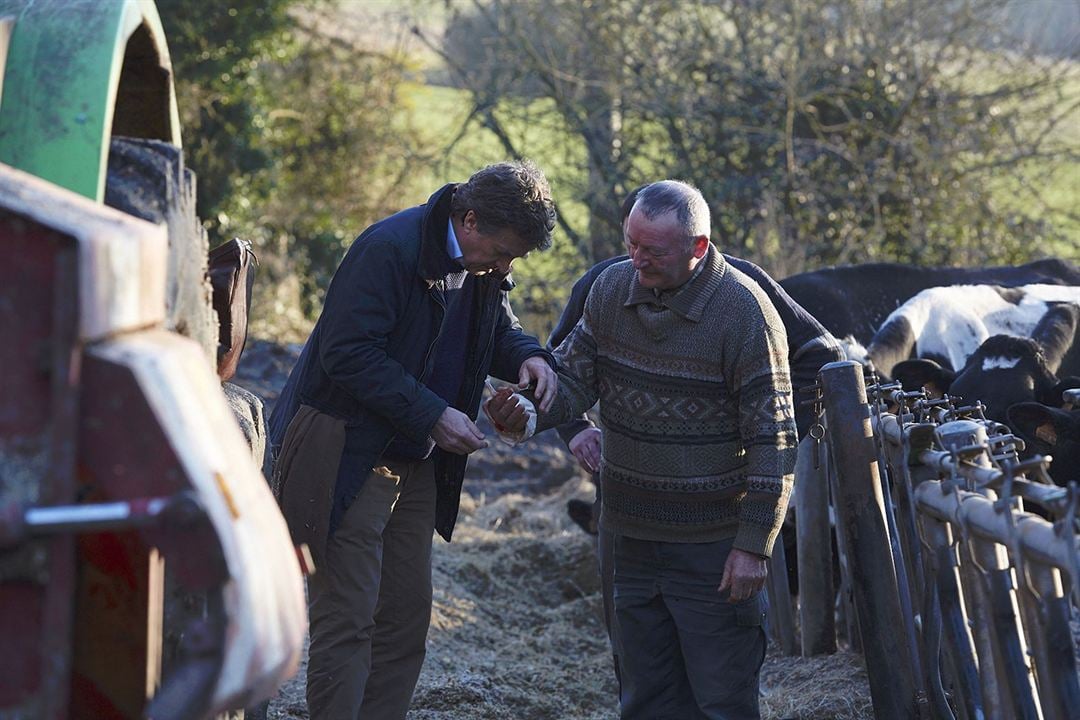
<point x="695" y="400"/>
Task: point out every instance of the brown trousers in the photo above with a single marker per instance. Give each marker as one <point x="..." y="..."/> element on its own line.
<point x="370" y="601"/>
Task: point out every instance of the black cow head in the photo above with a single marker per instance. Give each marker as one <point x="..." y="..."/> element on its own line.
<point x="1050" y="431"/>
<point x="924" y="373"/>
<point x="1005" y="370"/>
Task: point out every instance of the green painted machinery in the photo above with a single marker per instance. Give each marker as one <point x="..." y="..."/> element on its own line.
<point x="76" y="73"/>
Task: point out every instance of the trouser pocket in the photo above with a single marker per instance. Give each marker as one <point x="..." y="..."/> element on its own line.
<point x="305" y="476"/>
<point x="752" y="611"/>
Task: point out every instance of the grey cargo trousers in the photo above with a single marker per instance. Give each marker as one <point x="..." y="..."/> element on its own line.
<point x="685" y="654"/>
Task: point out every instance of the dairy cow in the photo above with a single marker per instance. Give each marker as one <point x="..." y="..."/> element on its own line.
<point x="1006" y="370"/>
<point x="1051" y="431"/>
<point x="947" y="324"/>
<point x="854" y="300"/>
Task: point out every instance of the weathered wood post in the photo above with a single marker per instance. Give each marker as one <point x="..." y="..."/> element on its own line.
<point x="781" y="613"/>
<point x="817" y="613"/>
<point x="860" y="514"/>
<point x="845" y="606"/>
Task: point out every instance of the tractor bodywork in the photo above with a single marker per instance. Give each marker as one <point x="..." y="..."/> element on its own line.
<point x="120" y="462"/>
<point x="77" y="72"/>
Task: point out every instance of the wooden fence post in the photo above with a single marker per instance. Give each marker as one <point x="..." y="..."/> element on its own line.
<point x="860" y="514"/>
<point x="817" y="596"/>
<point x="781" y="613"/>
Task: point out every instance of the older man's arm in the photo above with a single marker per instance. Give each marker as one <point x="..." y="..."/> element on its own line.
<point x="810" y="345"/>
<point x="759" y="373"/>
<point x="576" y="393"/>
<point x="581" y="436"/>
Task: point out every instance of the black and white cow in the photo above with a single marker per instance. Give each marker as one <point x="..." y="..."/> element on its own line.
<point x="947" y="324"/>
<point x="1051" y="431"/>
<point x="854" y="300"/>
<point x="1006" y="370"/>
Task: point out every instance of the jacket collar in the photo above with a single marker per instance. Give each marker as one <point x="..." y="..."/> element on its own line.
<point x="432" y="264"/>
<point x="689" y="299"/>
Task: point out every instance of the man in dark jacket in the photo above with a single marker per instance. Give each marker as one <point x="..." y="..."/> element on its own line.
<point x="810" y="346"/>
<point x="374" y="426"/>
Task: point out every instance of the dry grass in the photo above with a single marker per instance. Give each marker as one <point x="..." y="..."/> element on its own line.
<point x="517" y="629"/>
<point x="828" y="687"/>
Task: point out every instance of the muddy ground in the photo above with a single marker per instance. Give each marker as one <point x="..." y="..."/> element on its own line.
<point x="517" y="626"/>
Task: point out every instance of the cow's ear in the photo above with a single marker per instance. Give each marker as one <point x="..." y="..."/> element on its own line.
<point x="915" y="374"/>
<point x="1038" y="424"/>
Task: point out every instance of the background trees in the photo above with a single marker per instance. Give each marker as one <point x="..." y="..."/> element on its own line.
<point x="822" y="131"/>
<point x="827" y="131"/>
<point x="297" y="134"/>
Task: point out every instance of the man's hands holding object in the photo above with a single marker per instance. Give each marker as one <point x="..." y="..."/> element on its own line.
<point x="456" y="433"/>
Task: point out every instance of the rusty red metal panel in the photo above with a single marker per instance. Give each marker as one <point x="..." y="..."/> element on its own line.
<point x="125" y="453"/>
<point x="38" y="406"/>
<point x="27" y="276"/>
<point x="20" y="608"/>
<point x="114" y="612"/>
<point x="114" y="421"/>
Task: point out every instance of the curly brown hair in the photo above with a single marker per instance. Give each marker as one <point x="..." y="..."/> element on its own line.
<point x="509" y="195"/>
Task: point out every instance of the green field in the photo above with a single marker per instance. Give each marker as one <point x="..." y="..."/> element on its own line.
<point x="439" y="114"/>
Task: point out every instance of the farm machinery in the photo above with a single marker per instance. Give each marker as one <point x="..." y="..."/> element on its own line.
<point x="144" y="568"/>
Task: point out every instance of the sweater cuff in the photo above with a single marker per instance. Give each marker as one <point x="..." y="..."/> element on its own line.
<point x="756" y="539"/>
<point x="568" y="431"/>
<point x="761" y="513"/>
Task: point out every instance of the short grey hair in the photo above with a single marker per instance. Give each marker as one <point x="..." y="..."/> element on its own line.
<point x="685" y="200"/>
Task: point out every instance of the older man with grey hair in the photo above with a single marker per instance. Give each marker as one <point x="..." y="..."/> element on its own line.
<point x="688" y="360"/>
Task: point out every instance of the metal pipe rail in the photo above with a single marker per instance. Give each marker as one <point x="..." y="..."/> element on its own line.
<point x="1012" y="569"/>
<point x="918" y="439"/>
<point x="1036" y="539"/>
<point x="985" y="585"/>
<point x="1041" y="555"/>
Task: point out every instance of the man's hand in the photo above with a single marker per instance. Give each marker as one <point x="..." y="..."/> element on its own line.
<point x="744" y="575"/>
<point x="456" y="433"/>
<point x="586" y="448"/>
<point x="506" y="413"/>
<point x="536" y="369"/>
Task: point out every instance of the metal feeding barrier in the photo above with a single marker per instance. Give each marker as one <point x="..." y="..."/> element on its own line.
<point x="958" y="595"/>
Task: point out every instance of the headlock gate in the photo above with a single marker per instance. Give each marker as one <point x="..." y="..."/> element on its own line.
<point x="959" y="596"/>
